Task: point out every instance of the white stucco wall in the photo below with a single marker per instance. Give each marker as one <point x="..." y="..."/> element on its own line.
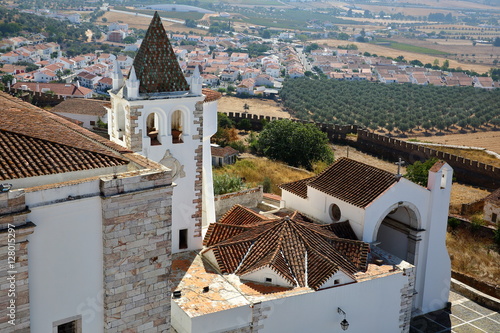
<point x="264" y="273"/>
<point x="370" y="306"/>
<point x="86" y="119"/>
<point x="65" y="264"/>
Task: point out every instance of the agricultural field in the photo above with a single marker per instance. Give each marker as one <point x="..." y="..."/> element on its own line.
<point x="386" y="51"/>
<point x="407" y="107"/>
<point x="140" y="22"/>
<point x="489" y="140"/>
<point x="410" y="47"/>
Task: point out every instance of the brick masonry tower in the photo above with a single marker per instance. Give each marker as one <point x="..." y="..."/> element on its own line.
<point x="158" y="113"/>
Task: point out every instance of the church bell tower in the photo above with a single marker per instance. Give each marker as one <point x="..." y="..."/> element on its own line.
<point x="157" y="113"/>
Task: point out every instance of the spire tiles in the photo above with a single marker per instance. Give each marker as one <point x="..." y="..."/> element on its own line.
<point x="156" y="65"/>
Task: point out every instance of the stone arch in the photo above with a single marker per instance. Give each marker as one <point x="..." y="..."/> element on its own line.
<point x="154" y="127"/>
<point x="399" y="231"/>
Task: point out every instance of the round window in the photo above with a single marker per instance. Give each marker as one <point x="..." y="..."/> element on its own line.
<point x="335" y="213"/>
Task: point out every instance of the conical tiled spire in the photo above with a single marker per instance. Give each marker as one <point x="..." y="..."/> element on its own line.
<point x="156" y="65"/>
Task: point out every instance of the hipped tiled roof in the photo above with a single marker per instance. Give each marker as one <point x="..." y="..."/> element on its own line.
<point x="156" y="65"/>
<point x="91" y="107"/>
<point x="35" y="142"/>
<point x="351" y="181"/>
<point x="304" y="253"/>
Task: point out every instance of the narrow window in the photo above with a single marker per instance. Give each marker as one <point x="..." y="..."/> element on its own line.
<point x="183" y="239"/>
<point x="269" y="280"/>
<point x="493" y="217"/>
<point x="336" y="281"/>
<point x="68" y="325"/>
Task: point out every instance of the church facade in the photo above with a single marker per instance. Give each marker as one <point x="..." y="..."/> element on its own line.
<point x="93" y="223"/>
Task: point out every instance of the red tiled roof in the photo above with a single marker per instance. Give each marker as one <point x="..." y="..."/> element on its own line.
<point x="35" y="142"/>
<point x="92" y="107"/>
<point x="156" y="65"/>
<point x="236" y="217"/>
<point x="351" y="181"/>
<point x="61" y="89"/>
<point x="494" y="197"/>
<point x="306" y="254"/>
<point x="298" y="187"/>
<point x="211" y="95"/>
<point x="223" y="151"/>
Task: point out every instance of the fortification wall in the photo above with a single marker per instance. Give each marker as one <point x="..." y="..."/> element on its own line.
<point x="465" y="170"/>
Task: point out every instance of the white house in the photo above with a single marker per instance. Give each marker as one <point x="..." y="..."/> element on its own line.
<point x="87" y="111"/>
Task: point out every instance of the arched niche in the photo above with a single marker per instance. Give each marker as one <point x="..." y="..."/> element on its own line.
<point x="153" y="128"/>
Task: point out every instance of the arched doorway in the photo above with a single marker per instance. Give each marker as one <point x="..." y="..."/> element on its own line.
<point x="398" y="232"/>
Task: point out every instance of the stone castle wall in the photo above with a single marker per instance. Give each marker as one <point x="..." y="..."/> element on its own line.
<point x="465" y="170"/>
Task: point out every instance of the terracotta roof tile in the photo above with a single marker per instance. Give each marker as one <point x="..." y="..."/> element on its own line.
<point x="35" y="142"/>
<point x="302" y="252"/>
<point x="211" y="95"/>
<point x="298" y="187"/>
<point x="223" y="151"/>
<point x="61" y="89"/>
<point x="493" y="197"/>
<point x="351" y="181"/>
<point x="437" y="166"/>
<point x="156" y="65"/>
<point x="92" y="107"/>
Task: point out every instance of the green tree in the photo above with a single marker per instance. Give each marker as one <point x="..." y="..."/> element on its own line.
<point x="129" y="40"/>
<point x="6" y="79"/>
<point x="418" y="172"/>
<point x="294" y="143"/>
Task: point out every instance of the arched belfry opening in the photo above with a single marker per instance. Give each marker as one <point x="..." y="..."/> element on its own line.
<point x="153" y="128"/>
<point x="120" y="122"/>
<point x="177" y="126"/>
<point x="399" y="232"/>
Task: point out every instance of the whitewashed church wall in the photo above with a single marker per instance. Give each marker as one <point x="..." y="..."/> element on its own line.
<point x="65" y="270"/>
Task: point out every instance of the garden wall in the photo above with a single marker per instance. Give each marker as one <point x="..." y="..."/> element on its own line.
<point x="248" y="198"/>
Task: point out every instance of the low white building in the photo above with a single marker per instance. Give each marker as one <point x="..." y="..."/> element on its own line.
<point x="408" y="220"/>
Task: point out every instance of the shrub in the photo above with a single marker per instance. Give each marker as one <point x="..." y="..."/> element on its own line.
<point x="238" y="145"/>
<point x="266" y="185"/>
<point x="453" y="222"/>
<point x="224" y="183"/>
